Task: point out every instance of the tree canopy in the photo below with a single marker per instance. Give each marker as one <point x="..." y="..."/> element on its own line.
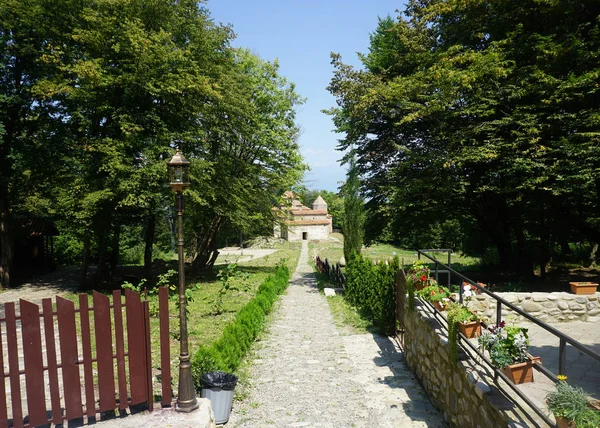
<point x="481" y="119"/>
<point x="95" y="96"/>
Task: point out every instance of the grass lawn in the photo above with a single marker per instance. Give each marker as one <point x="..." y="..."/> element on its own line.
<point x="205" y="322"/>
<point x="335" y="250"/>
<point x="347" y="318"/>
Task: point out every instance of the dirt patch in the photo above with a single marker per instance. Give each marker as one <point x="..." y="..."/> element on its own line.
<point x="56" y="283"/>
<point x="237" y="254"/>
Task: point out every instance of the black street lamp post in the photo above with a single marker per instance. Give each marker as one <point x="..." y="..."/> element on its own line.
<point x="179" y="177"/>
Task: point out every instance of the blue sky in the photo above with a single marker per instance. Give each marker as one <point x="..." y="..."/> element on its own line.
<point x="301" y="34"/>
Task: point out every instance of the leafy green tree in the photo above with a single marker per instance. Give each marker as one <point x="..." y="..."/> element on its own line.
<point x="353" y="212"/>
<point x="479" y="113"/>
<point x="32" y="140"/>
<point x="95" y="97"/>
<point x="248" y="153"/>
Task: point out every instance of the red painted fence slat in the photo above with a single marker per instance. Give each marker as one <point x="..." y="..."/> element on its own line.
<point x="149" y="391"/>
<point x="77" y="360"/>
<point x="3" y="410"/>
<point x="13" y="364"/>
<point x="165" y="344"/>
<point x="88" y="371"/>
<point x="52" y="363"/>
<point x="136" y="347"/>
<point x="104" y="352"/>
<point x="34" y="363"/>
<point x="69" y="358"/>
<point x="119" y="340"/>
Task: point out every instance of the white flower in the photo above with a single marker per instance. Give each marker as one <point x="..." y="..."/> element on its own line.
<point x="467" y="292"/>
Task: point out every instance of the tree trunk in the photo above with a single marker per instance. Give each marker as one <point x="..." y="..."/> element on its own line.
<point x="6" y="238"/>
<point x="149" y="238"/>
<point x="523" y="263"/>
<point x="565" y="249"/>
<point x="102" y="272"/>
<point x="116" y="247"/>
<point x="85" y="261"/>
<point x="103" y="231"/>
<point x="593" y="255"/>
<point x="206" y="252"/>
<point x="6" y="245"/>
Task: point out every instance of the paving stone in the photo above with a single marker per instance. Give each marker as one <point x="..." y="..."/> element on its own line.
<point x="364" y="376"/>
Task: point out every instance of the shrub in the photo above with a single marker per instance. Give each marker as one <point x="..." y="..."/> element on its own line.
<point x="370" y="288"/>
<point x="206" y="359"/>
<point x="227" y="352"/>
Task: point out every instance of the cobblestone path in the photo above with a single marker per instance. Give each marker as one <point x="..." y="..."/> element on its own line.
<point x="307" y="375"/>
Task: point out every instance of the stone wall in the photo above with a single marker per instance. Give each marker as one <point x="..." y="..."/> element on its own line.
<point x="453" y="387"/>
<point x="314" y="232"/>
<point x="547" y="307"/>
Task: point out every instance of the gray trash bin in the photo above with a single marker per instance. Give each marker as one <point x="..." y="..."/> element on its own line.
<point x="218" y="388"/>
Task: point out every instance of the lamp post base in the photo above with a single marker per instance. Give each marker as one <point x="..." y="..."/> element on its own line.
<point x="186" y="406"/>
<point x="186" y="394"/>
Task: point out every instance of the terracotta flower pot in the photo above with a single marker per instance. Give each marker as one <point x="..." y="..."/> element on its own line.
<point x="470" y="329"/>
<point x="563" y="422"/>
<point x="520" y="372"/>
<point x="594" y="404"/>
<point x="583" y="287"/>
<point x="439" y="306"/>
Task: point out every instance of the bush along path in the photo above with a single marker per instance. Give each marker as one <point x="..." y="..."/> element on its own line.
<point x="306" y="374"/>
<point x="227" y="352"/>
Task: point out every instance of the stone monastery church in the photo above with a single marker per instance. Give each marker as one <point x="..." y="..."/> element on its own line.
<point x="298" y="223"/>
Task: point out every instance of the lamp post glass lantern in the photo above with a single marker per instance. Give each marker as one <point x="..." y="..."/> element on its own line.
<point x="179" y="172"/>
<point x="179" y="177"/>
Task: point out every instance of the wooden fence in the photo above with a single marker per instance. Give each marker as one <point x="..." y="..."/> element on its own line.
<point x="77" y="376"/>
<point x="334" y="271"/>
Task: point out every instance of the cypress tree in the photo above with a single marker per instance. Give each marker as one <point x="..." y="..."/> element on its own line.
<point x="354" y="211"/>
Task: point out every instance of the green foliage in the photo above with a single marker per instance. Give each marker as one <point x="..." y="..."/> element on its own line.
<point x="353" y="212"/>
<point x="93" y="98"/>
<point x="163" y="280"/>
<point x="474" y="124"/>
<point x="506" y="344"/>
<point x="226" y="353"/>
<point x="416" y="275"/>
<point x="370" y="288"/>
<point x="456" y="313"/>
<point x="433" y="292"/>
<point x="225" y="276"/>
<point x="571" y="403"/>
<point x="251" y="152"/>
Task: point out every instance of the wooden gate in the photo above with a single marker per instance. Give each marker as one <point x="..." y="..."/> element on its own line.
<point x="65" y="367"/>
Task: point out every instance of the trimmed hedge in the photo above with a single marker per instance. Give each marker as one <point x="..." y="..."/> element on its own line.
<point x="227" y="352"/>
<point x="370" y="288"/>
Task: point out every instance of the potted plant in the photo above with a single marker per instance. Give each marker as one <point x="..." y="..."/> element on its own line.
<point x="436" y="294"/>
<point x="460" y="318"/>
<point x="468" y="323"/>
<point x="417" y="275"/>
<point x="583" y="287"/>
<point x="507" y="347"/>
<point x="570" y="406"/>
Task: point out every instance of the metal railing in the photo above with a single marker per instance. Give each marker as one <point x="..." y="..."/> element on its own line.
<point x="563" y="338"/>
<point x="438" y="271"/>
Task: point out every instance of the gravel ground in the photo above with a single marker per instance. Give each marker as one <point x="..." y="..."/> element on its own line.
<point x="307" y="375"/>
